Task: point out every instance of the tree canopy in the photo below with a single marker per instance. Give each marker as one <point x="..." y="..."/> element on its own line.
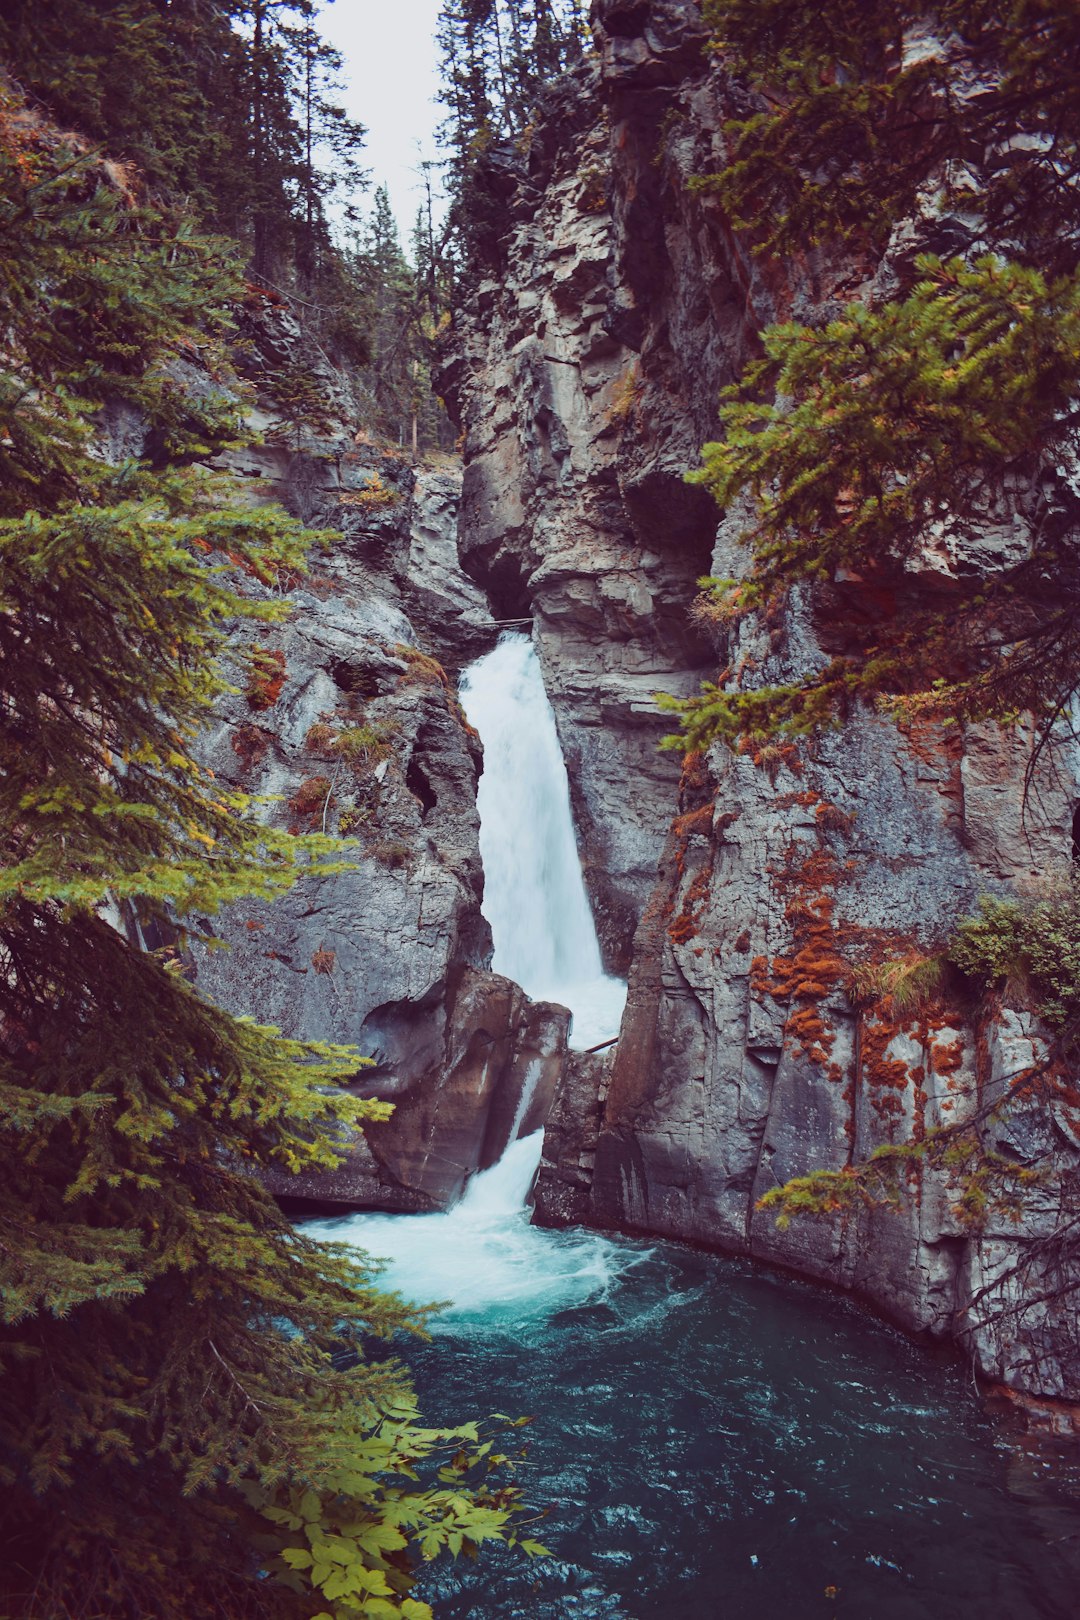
<point x="227" y="105"/>
<point x="495" y="57"/>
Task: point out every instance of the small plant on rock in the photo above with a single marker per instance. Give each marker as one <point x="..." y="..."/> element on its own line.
<point x="364" y="746"/>
<point x="266" y="677"/>
<point x="309" y="801"/>
<point x="1030" y="950"/>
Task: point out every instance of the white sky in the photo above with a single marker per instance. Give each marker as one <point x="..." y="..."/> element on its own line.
<point x="389" y="83"/>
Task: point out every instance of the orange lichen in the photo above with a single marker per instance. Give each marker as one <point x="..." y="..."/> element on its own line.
<point x="688" y="921"/>
<point x="830" y="818"/>
<point x="811" y="1034"/>
<point x="695" y="821"/>
<point x="695" y="774"/>
<point x="947" y="1058"/>
<point x="791" y="801"/>
<point x="266" y="677"/>
<point x="770" y="756"/>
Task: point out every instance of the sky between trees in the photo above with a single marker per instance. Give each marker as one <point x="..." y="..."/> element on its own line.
<point x="390" y="80"/>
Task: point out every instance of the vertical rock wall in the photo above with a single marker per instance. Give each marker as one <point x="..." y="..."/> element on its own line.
<point x="351" y="725"/>
<point x="586" y="374"/>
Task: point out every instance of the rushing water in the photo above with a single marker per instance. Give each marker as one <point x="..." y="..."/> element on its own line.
<point x="711" y="1442"/>
<point x="534" y="894"/>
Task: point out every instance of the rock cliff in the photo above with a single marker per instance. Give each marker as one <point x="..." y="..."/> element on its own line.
<point x="586" y="372"/>
<point x="344" y="720"/>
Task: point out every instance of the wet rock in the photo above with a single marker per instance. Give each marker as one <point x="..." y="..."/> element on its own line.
<point x="468" y="1073"/>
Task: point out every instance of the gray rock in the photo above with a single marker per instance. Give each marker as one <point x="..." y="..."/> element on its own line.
<point x="363" y="736"/>
<point x="586" y="378"/>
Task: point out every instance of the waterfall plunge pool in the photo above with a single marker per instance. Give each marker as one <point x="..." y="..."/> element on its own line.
<point x="712" y="1442"/>
<point x="715" y="1442"/>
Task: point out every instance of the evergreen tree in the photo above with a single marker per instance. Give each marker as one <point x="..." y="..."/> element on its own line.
<point x="496" y="55"/>
<point x="331" y="140"/>
<point x="856" y="437"/>
<point x="227" y="105"/>
<point x="190" y="1419"/>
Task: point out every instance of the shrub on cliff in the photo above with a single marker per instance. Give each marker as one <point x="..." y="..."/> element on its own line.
<point x="909" y="423"/>
<point x="1029" y="948"/>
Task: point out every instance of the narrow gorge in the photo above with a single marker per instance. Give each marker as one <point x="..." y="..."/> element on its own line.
<point x="738" y="890"/>
<point x="540" y="793"/>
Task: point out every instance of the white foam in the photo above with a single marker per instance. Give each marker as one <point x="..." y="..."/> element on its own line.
<point x="483" y="1256"/>
<point x="534" y="893"/>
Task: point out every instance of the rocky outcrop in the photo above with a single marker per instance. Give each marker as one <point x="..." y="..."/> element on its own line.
<point x="572" y="514"/>
<point x="345" y="721"/>
<point x="758" y="1043"/>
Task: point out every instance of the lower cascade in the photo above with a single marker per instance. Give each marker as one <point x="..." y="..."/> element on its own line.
<point x="709" y="1439"/>
<point x="483" y="1256"/>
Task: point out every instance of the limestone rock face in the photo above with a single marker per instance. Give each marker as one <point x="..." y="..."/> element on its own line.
<point x="347" y="723"/>
<point x="586" y="377"/>
<point x="574" y="515"/>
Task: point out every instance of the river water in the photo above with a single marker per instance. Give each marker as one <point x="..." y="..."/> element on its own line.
<point x="711" y="1441"/>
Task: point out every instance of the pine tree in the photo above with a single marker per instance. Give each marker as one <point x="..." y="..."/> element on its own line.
<point x="228" y="107"/>
<point x="857" y="436"/>
<point x="496" y="55"/>
<point x="191" y="1422"/>
<point x="331" y="140"/>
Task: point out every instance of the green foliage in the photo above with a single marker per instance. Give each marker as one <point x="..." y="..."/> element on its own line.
<point x="871" y="444"/>
<point x="228" y="106"/>
<point x="908" y="982"/>
<point x="1027" y="947"/>
<point x="364" y="745"/>
<point x="400" y="308"/>
<point x="884" y="415"/>
<point x="346" y="1539"/>
<point x="174" y="1355"/>
<point x="849" y="123"/>
<point x="100" y="300"/>
<point x="982" y="1183"/>
<point x="496" y="55"/>
<point x="301" y="397"/>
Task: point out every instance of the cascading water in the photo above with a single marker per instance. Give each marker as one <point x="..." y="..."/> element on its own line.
<point x="710" y="1439"/>
<point x="483" y="1256"/>
<point x="534" y="893"/>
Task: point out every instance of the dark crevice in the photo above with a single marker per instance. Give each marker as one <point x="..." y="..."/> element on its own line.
<point x="419" y="784"/>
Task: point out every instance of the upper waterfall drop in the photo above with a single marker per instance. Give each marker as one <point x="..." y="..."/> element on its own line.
<point x="534" y="892"/>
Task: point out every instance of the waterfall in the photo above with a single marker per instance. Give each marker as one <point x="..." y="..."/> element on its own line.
<point x="534" y="892"/>
<point x="483" y="1255"/>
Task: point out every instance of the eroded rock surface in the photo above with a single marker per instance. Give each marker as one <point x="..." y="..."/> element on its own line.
<point x="586" y="373"/>
<point x="349" y="723"/>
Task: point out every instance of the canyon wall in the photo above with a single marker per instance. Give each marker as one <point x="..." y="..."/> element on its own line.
<point x="586" y="371"/>
<point x="345" y="720"/>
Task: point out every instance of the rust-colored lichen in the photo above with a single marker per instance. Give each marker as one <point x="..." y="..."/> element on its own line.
<point x="688" y="921"/>
<point x="249" y="744"/>
<point x="309" y="801"/>
<point x="266" y="677"/>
